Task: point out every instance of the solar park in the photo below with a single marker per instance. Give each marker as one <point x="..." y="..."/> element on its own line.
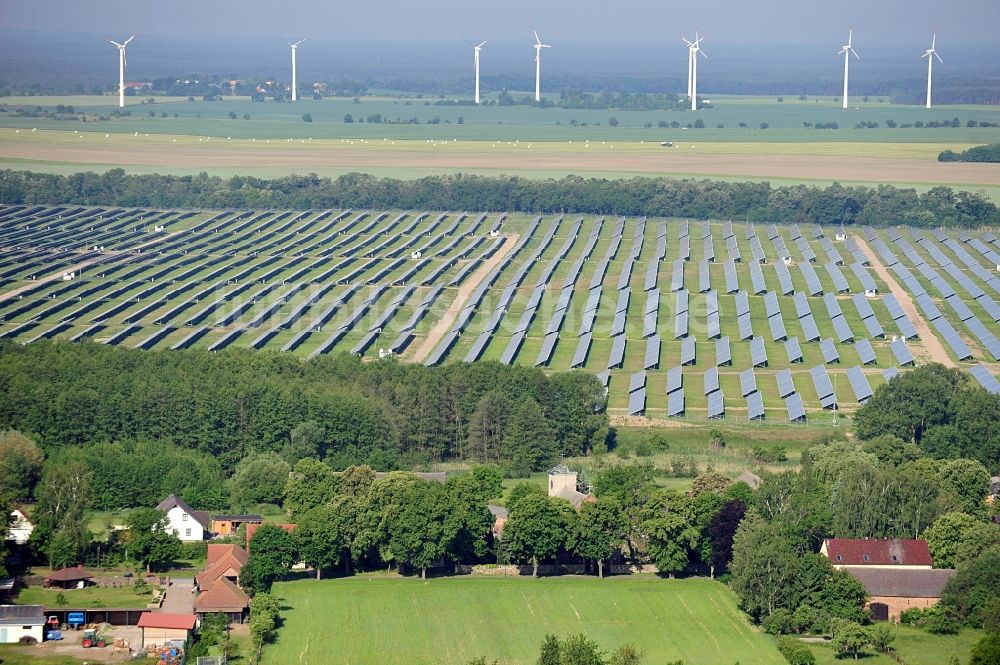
<point x="678" y="318"/>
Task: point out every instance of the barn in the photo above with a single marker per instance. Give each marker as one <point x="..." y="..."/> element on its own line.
<point x="893" y="590"/>
<point x="160" y="628"/>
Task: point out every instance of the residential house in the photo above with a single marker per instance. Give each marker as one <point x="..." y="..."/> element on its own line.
<point x="993" y="495"/>
<point x="69" y="578"/>
<point x="887" y="553"/>
<point x="225" y="597"/>
<point x="186" y="523"/>
<point x="160" y="628"/>
<point x="562" y="485"/>
<point x="893" y="590"/>
<point x="225" y="525"/>
<point x="20" y="527"/>
<point x="22" y="624"/>
<point x="224" y="561"/>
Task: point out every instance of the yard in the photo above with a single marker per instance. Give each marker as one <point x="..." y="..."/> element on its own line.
<point x="124" y="598"/>
<point x="914" y="646"/>
<point x="450" y="621"/>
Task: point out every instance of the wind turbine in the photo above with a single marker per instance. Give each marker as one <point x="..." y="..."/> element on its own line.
<point x="295" y="82"/>
<point x="121" y="69"/>
<point x="538" y="66"/>
<point x="476" y="49"/>
<point x="694" y="48"/>
<point x="930" y="54"/>
<point x="847" y="51"/>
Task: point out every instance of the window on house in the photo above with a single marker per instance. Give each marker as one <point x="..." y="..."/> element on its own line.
<point x="187" y="532"/>
<point x="184" y="517"/>
<point x="26" y="627"/>
<point x="866" y="557"/>
<point x="894" y="558"/>
<point x="840" y="558"/>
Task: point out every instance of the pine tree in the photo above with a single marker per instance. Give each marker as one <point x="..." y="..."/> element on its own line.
<point x="528" y="442"/>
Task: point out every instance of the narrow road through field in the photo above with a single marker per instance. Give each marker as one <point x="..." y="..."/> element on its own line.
<point x="928" y="346"/>
<point x="443" y="326"/>
<point x="56" y="276"/>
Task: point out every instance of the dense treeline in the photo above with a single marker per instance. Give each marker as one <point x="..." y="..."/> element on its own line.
<point x="661" y="197"/>
<point x="939" y="410"/>
<point x="979" y="153"/>
<point x="235" y="403"/>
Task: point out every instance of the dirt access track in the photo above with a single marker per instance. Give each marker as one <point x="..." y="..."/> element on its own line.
<point x="190" y="152"/>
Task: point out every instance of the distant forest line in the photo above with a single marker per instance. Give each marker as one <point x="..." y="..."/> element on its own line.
<point x="882" y="205"/>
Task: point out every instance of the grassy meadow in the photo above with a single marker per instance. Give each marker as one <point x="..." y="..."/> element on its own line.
<point x="450" y="621"/>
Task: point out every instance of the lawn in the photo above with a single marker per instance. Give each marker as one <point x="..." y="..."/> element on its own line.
<point x="85" y="598"/>
<point x="17" y="655"/>
<point x="453" y="620"/>
<point x="914" y="646"/>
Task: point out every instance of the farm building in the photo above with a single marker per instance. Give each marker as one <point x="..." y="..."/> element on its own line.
<point x="188" y="524"/>
<point x="159" y="628"/>
<point x="994" y="493"/>
<point x="20" y="527"/>
<point x="224" y="561"/>
<point x="225" y="525"/>
<point x="895" y="553"/>
<point x="23" y="624"/>
<point x="562" y="485"/>
<point x="893" y="590"/>
<point x="225" y="597"/>
<point x="69" y="578"/>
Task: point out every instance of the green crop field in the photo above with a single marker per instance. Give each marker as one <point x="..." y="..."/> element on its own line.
<point x="450" y="621"/>
<point x="409" y="137"/>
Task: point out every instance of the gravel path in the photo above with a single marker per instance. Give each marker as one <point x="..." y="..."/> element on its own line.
<point x="443" y="326"/>
<point x="928" y="347"/>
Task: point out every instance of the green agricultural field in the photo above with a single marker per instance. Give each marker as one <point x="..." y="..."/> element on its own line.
<point x="450" y="621"/>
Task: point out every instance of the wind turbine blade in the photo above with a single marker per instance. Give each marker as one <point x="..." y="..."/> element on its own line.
<point x="855" y="54"/>
<point x="111" y="41"/>
<point x="926" y="54"/>
<point x="128" y="40"/>
<point x="705" y="55"/>
<point x="482" y="44"/>
<point x="537" y="40"/>
<point x="938" y="57"/>
<point x="933" y="40"/>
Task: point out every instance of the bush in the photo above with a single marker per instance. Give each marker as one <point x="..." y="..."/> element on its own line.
<point x="769" y="454"/>
<point x="307" y="117"/>
<point x="778" y="622"/>
<point x="195" y="550"/>
<point x="912" y="617"/>
<point x="795" y="652"/>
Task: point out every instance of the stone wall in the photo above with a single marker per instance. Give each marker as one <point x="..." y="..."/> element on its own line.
<point x="897" y="604"/>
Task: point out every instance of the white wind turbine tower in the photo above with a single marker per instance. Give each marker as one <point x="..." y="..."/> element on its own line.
<point x="295" y="82"/>
<point x="694" y="48"/>
<point x="475" y="49"/>
<point x="538" y="66"/>
<point x="847" y="51"/>
<point x="930" y="54"/>
<point x="121" y="69"/>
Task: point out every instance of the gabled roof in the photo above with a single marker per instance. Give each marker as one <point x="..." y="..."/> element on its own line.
<point x="571" y="495"/>
<point x="172" y="501"/>
<point x="222" y="596"/>
<point x="498" y="511"/>
<point x="223" y="561"/>
<point x="863" y="552"/>
<point x="167" y="620"/>
<point x="559" y="469"/>
<point x="74" y="574"/>
<point x="902" y="582"/>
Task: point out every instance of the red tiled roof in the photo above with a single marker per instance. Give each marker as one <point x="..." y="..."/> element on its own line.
<point x="863" y="552"/>
<point x="222" y="560"/>
<point x="74" y="574"/>
<point x="166" y="620"/>
<point x="223" y="596"/>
